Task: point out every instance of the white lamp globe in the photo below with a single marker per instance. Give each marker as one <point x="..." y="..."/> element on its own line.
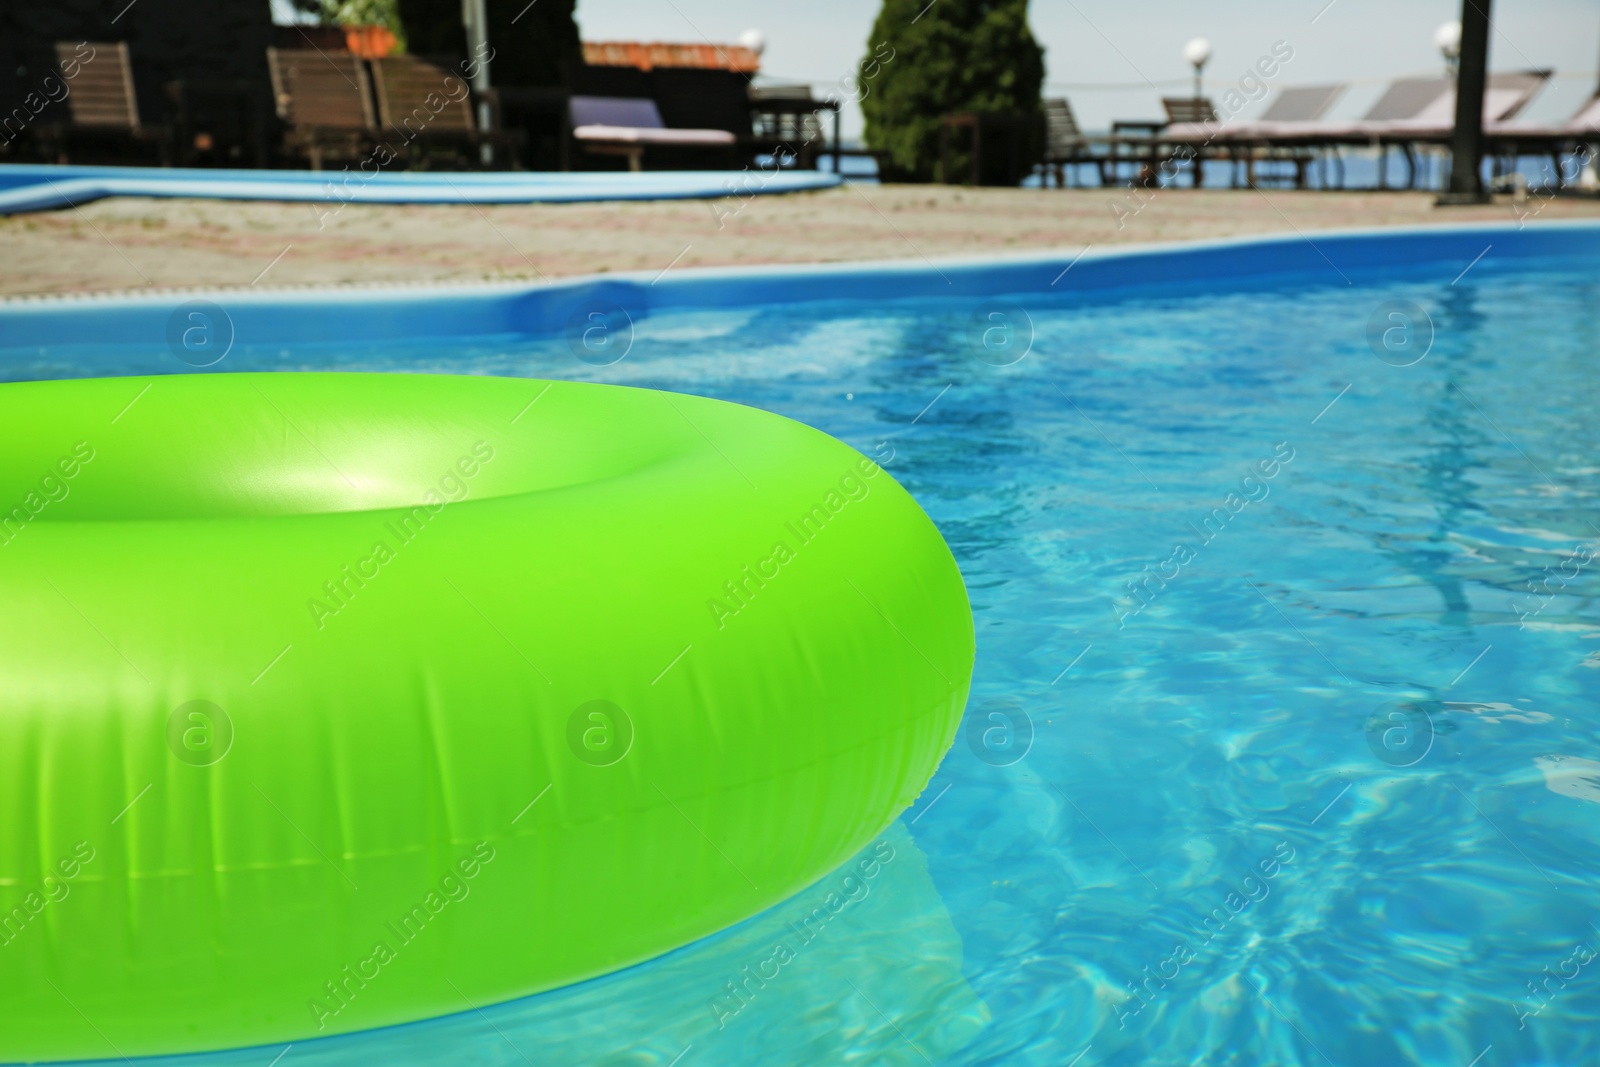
<point x="1197" y="51"/>
<point x="1447" y="38"/>
<point x="754" y="40"/>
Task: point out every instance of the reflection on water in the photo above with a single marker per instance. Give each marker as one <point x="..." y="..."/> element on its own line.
<point x="1325" y="798"/>
<point x="865" y="965"/>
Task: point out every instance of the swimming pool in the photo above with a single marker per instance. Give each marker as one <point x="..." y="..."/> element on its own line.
<point x="1284" y="741"/>
<point x="46" y="186"/>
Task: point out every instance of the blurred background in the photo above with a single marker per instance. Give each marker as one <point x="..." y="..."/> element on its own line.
<point x="953" y="90"/>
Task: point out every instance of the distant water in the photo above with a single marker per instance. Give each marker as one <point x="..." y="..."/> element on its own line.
<point x="1284" y="741"/>
<point x="1357" y="168"/>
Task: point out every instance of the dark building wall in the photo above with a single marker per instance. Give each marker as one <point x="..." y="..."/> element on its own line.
<point x="611" y="81"/>
<point x="535" y="45"/>
<point x="167" y="39"/>
<point x="688" y="98"/>
<point x="703" y="99"/>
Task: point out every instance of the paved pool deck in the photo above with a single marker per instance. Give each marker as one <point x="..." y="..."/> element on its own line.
<point x="132" y="244"/>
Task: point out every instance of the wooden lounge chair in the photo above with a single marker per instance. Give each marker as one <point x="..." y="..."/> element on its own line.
<point x="1274" y="136"/>
<point x="625" y="126"/>
<point x="1151" y="143"/>
<point x="424" y="104"/>
<point x="1132" y="141"/>
<point x="1292" y="110"/>
<point x="1154" y="144"/>
<point x="1065" y="143"/>
<point x="1197" y="109"/>
<point x="325" y="100"/>
<point x="102" y="108"/>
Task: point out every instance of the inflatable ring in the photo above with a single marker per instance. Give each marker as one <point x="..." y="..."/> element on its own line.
<point x="335" y="701"/>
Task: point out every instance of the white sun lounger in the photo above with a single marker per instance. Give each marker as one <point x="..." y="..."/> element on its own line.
<point x="1291" y="110"/>
<point x="1411" y="109"/>
<point x="1425" y="109"/>
<point x="1586" y="122"/>
<point x="615" y="125"/>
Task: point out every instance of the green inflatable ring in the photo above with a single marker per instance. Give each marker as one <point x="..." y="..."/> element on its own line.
<point x="337" y="701"/>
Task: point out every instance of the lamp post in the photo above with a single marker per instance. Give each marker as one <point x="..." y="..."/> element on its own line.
<point x="1447" y="38"/>
<point x="475" y="17"/>
<point x="1197" y="52"/>
<point x="1466" y="145"/>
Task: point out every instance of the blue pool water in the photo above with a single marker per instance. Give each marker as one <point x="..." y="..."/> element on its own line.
<point x="1327" y="791"/>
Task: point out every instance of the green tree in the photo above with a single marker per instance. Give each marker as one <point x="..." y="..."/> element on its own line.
<point x="957" y="55"/>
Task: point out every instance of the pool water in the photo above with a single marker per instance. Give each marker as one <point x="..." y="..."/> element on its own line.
<point x="1284" y="738"/>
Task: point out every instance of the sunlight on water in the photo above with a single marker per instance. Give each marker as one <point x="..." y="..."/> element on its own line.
<point x="1284" y="742"/>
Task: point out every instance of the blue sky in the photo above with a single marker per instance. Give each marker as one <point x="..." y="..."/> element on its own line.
<point x="1098" y="43"/>
<point x="1091" y="47"/>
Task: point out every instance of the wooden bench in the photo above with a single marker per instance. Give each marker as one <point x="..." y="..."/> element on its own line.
<point x="325" y="100"/>
<point x="426" y="104"/>
<point x="101" y="105"/>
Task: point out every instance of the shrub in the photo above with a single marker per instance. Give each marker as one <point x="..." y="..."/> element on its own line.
<point x="383" y="13"/>
<point x="959" y="55"/>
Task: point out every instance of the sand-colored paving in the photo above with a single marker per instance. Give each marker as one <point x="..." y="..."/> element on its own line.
<point x="131" y="244"/>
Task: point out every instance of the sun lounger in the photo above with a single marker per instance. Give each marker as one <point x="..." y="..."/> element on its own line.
<point x="1419" y="109"/>
<point x="1271" y="137"/>
<point x="1188" y="110"/>
<point x="1584" y="124"/>
<point x="625" y="126"/>
<point x="1189" y="119"/>
<point x="1409" y="113"/>
<point x="1513" y="139"/>
<point x="101" y="107"/>
<point x="1503" y="98"/>
<point x="424" y="104"/>
<point x="1408" y="98"/>
<point x="102" y="94"/>
<point x="1412" y="108"/>
<point x="1302" y="103"/>
<point x="1292" y="111"/>
<point x="325" y="101"/>
<point x="1146" y="142"/>
<point x="1587" y="120"/>
<point x="1065" y="143"/>
<point x="1433" y="122"/>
